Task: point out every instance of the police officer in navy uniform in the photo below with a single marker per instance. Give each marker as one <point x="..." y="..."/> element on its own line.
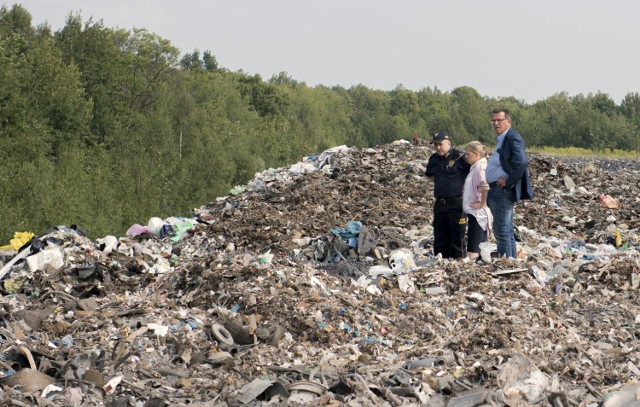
<point x="448" y="169"/>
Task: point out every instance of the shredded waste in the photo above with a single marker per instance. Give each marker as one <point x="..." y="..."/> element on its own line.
<point x="316" y="285"/>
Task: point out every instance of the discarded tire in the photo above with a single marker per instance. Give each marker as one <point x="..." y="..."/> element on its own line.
<point x="239" y="334"/>
<point x="220" y="358"/>
<point x="222" y="334"/>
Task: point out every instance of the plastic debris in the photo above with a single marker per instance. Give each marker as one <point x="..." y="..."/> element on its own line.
<point x="608" y="201"/>
<point x="316" y="284"/>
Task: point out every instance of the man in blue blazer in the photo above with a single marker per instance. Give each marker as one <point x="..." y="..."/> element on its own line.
<point x="508" y="177"/>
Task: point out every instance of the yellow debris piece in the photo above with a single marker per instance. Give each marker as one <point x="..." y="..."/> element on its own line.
<point x="19" y="239"/>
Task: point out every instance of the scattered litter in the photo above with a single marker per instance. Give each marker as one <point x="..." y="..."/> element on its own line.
<point x="316" y="284"/>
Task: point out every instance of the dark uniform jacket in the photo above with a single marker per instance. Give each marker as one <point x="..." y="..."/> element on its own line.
<point x="449" y="173"/>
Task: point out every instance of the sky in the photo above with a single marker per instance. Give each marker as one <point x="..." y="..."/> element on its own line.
<point x="527" y="49"/>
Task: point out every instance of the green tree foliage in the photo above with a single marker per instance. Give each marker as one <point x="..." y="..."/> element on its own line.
<point x="370" y="115"/>
<point x="150" y="59"/>
<point x="265" y="98"/>
<point x="97" y="53"/>
<point x="193" y="61"/>
<point x="435" y="110"/>
<point x="471" y="123"/>
<point x="210" y="62"/>
<point x="108" y="127"/>
<point x="15" y="22"/>
<point x="630" y="107"/>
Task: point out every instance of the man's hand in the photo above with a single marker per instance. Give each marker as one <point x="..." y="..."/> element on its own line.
<point x="501" y="182"/>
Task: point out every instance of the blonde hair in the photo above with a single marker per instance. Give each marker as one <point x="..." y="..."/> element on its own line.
<point x="476" y="147"/>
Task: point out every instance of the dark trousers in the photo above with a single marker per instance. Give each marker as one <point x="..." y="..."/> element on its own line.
<point x="449" y="224"/>
<point x="475" y="235"/>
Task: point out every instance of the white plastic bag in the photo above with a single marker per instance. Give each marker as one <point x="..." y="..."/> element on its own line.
<point x="401" y="261"/>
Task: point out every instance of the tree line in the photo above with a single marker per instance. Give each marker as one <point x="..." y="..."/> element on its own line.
<point x="106" y="127"/>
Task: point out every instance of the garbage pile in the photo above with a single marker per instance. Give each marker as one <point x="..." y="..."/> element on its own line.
<point x="316" y="285"/>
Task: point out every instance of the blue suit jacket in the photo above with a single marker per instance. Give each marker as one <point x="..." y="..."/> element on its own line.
<point x="513" y="160"/>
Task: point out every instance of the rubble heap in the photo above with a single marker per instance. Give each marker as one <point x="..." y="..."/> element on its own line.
<point x="316" y="285"/>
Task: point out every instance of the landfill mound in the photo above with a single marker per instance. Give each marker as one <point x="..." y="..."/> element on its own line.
<point x="316" y="285"/>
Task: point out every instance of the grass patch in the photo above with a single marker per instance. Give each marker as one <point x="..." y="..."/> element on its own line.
<point x="583" y="152"/>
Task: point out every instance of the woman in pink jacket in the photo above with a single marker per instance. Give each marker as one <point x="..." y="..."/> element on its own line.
<point x="474" y="199"/>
